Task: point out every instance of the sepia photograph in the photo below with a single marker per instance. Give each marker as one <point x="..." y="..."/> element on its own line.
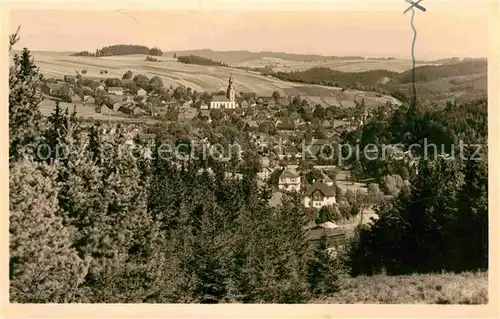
<point x="217" y="156"/>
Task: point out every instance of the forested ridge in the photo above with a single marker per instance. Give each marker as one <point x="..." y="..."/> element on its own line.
<point x="121" y="49"/>
<point x="373" y="79"/>
<point x="193" y="59"/>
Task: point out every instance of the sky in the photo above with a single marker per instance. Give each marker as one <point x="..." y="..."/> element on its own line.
<point x="444" y="30"/>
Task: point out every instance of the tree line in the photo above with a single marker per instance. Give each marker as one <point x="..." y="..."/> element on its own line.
<point x="440" y="221"/>
<point x="193" y="59"/>
<point x="371" y="80"/>
<point x="121" y="49"/>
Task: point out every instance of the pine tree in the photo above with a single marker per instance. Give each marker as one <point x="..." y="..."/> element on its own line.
<point x="25" y="119"/>
<point x="43" y="265"/>
<point x="323" y="271"/>
<point x="468" y="228"/>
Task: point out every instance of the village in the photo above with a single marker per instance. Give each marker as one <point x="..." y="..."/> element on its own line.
<point x="275" y="128"/>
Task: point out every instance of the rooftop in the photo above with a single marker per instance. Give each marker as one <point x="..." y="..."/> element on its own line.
<point x="219" y="98"/>
<point x="321" y="187"/>
<point x="289" y="174"/>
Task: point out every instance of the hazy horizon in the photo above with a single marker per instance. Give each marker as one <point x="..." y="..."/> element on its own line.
<point x="443" y="31"/>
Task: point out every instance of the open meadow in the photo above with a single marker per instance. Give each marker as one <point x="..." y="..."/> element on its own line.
<point x="200" y="78"/>
<point x="355" y="65"/>
<point x="445" y="288"/>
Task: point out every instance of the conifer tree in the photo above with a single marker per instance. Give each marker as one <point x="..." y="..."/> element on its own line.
<point x="43" y="265"/>
<point x="25" y="119"/>
<point x="323" y="271"/>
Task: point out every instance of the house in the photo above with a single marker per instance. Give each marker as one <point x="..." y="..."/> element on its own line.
<point x="283" y="101"/>
<point x="205" y="113"/>
<point x="141" y="92"/>
<point x="319" y="195"/>
<point x="327" y="180"/>
<point x="244" y="104"/>
<point x="187" y="104"/>
<point x="188" y="114"/>
<point x="336" y="237"/>
<point x="87" y="99"/>
<point x="100" y="88"/>
<point x="51" y="88"/>
<point x="70" y="79"/>
<point x="203" y="105"/>
<point x="138" y="111"/>
<point x="289" y="181"/>
<point x="261" y="139"/>
<point x="116" y="90"/>
<point x="285" y="126"/>
<point x="251" y="125"/>
<point x="227" y="101"/>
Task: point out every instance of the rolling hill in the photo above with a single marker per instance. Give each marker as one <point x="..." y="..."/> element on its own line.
<point x="200" y="78"/>
<point x="288" y="62"/>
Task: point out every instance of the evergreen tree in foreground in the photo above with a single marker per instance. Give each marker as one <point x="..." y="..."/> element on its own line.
<point x="44" y="267"/>
<point x="323" y="271"/>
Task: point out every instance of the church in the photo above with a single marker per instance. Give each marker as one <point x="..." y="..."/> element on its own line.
<point x="227" y="101"/>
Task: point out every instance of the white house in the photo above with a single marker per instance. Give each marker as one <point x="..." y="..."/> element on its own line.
<point x="116" y="90"/>
<point x="224" y="101"/>
<point x="319" y="195"/>
<point x="141" y="92"/>
<point x="289" y="181"/>
<point x="88" y="99"/>
<point x="203" y="105"/>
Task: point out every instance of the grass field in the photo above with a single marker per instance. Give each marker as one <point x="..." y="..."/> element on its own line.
<point x="446" y="288"/>
<point x="281" y="65"/>
<point x="200" y="78"/>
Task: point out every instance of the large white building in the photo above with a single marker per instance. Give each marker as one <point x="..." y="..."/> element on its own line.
<point x="227" y="101"/>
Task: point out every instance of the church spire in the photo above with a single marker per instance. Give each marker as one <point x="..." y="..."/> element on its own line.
<point x="230" y="89"/>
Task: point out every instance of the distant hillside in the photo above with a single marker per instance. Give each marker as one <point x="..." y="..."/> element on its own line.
<point x="369" y="79"/>
<point x="327" y="76"/>
<point x="243" y="55"/>
<point x="457" y="60"/>
<point x="432" y="73"/>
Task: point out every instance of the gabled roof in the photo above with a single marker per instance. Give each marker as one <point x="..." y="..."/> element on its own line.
<point x="326" y="178"/>
<point x="54" y="86"/>
<point x="317" y="233"/>
<point x="288" y="174"/>
<point x="115" y="88"/>
<point x="220" y="98"/>
<point x="114" y="98"/>
<point x="252" y="124"/>
<point x="321" y="187"/>
<point x="285" y="126"/>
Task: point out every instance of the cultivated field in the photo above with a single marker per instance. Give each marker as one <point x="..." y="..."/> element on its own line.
<point x="447" y="288"/>
<point x="200" y="78"/>
<point x="281" y="65"/>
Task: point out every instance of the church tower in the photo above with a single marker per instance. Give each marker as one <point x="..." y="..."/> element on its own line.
<point x="230" y="90"/>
